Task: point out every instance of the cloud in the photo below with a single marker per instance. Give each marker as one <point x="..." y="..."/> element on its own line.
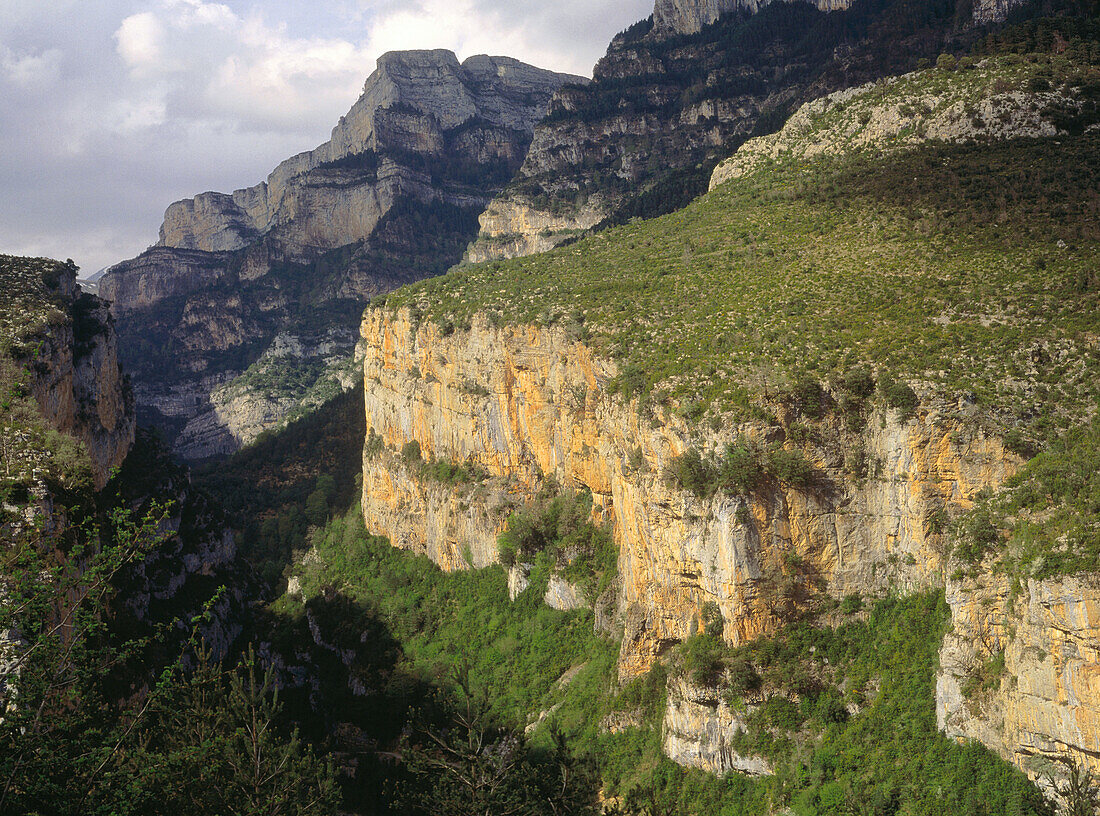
<point x="140" y="41"/>
<point x="30" y="70"/>
<point x="127" y="105"/>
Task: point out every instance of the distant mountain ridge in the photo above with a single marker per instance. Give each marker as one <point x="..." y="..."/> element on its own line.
<point x="392" y="197"/>
<point x="683" y="89"/>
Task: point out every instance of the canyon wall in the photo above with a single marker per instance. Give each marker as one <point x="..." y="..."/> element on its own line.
<point x="1020" y="670"/>
<point x="283" y="269"/>
<point x="76" y="379"/>
<point x="526" y="402"/>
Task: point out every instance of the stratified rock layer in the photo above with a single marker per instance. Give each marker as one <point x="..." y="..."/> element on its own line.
<point x="675" y="94"/>
<point x="391" y="198"/>
<point x="76" y="379"/>
<point x="522" y="402"/>
<point x="700" y="730"/>
<point x="1046" y="703"/>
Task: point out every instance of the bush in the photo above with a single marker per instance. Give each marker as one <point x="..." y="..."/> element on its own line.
<point x="741" y="469"/>
<point x="410" y="452"/>
<point x="690" y="471"/>
<point x="898" y="395"/>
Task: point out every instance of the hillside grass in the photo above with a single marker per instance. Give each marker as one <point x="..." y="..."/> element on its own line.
<point x="525" y="659"/>
<point x="962" y="269"/>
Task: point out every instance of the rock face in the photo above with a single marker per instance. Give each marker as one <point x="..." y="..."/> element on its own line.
<point x="77" y="381"/>
<point x="898" y="113"/>
<point x="1046" y="702"/>
<point x="414" y="101"/>
<point x="677" y="93"/>
<point x="524" y="402"/>
<point x="391" y="198"/>
<point x="700" y="729"/>
<point x="672" y="17"/>
<point x="66" y="343"/>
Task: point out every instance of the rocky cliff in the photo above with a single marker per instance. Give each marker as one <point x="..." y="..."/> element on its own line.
<point x="678" y="92"/>
<point x="392" y="197"/>
<point x="1020" y="670"/>
<point x="995" y="101"/>
<point x="66" y="410"/>
<point x="65" y="341"/>
<point x="679" y="17"/>
<point x="526" y="402"/>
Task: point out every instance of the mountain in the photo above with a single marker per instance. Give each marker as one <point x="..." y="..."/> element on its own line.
<point x="820" y="384"/>
<point x="73" y="462"/>
<point x="785" y="501"/>
<point x="273" y="277"/>
<point x="683" y="89"/>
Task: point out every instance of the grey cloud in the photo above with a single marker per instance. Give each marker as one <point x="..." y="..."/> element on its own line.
<point x="90" y="155"/>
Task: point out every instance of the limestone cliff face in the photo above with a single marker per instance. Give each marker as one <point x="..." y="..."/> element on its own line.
<point x="413" y="101"/>
<point x="77" y="381"/>
<point x="902" y="112"/>
<point x="391" y="198"/>
<point x="522" y="402"/>
<point x="1046" y="703"/>
<point x="700" y="729"/>
<point x="672" y="17"/>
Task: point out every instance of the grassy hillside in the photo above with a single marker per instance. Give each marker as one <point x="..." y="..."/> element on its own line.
<point x="966" y="270"/>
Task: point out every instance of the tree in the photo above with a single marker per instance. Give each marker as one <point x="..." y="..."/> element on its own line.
<point x="468" y="766"/>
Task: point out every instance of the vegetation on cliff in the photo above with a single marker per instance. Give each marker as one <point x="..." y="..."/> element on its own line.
<point x="965" y="271"/>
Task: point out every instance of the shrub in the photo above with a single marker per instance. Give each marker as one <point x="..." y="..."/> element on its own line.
<point x="410" y="452"/>
<point x="690" y="471"/>
<point x="742" y="468"/>
<point x="898" y="395"/>
<point x="790" y="466"/>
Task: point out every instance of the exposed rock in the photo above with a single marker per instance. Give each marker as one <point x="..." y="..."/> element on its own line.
<point x="526" y="401"/>
<point x="518" y="580"/>
<point x="562" y="595"/>
<point x="411" y="102"/>
<point x="675" y="95"/>
<point x="1046" y="703"/>
<point x="898" y="113"/>
<point x="391" y="198"/>
<point x="672" y="17"/>
<point x="700" y="729"/>
<point x="75" y="375"/>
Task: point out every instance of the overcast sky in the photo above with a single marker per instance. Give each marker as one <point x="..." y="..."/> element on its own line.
<point x="110" y="110"/>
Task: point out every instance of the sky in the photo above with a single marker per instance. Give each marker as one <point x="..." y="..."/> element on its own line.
<point x="110" y="110"/>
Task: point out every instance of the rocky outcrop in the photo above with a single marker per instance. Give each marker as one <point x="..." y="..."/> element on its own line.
<point x="1020" y="669"/>
<point x="291" y="377"/>
<point x="512" y="227"/>
<point x="524" y="402"/>
<point x="995" y="104"/>
<point x="679" y="17"/>
<point x="671" y="17"/>
<point x="414" y="101"/>
<point x="700" y="731"/>
<point x="72" y="359"/>
<point x="391" y="198"/>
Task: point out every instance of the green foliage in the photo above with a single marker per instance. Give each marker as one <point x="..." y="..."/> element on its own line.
<point x="559" y="526"/>
<point x="470" y="767"/>
<point x="511" y="651"/>
<point x="828" y="760"/>
<point x="743" y="469"/>
<point x="264" y="488"/>
<point x="904" y="261"/>
<point x="1044" y="524"/>
<point x="898" y="395"/>
<point x="410" y="452"/>
<point x="76" y="739"/>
